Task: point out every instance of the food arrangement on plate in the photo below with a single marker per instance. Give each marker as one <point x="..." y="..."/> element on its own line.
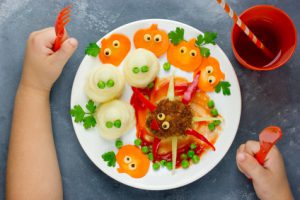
<point x="148" y="101"/>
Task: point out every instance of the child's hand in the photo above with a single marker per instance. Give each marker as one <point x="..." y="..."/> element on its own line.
<point x="42" y="66"/>
<point x="269" y="181"/>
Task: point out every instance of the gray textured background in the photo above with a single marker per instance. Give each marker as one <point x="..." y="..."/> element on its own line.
<point x="268" y="97"/>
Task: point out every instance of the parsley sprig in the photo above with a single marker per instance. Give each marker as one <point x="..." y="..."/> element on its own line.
<point x="110" y="158"/>
<point x="225" y="86"/>
<point x="92" y="50"/>
<point x="203" y="39"/>
<point x="86" y="117"/>
<point x="176" y="36"/>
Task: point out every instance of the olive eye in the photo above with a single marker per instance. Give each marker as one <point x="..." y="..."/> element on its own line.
<point x="107" y="52"/>
<point x="193" y="53"/>
<point x="209" y="69"/>
<point x="127" y="159"/>
<point x="161" y="116"/>
<point x="116" y="43"/>
<point x="165" y="125"/>
<point x="132" y="166"/>
<point x="157" y="38"/>
<point x="147" y="37"/>
<point x="211" y="79"/>
<point x="183" y="50"/>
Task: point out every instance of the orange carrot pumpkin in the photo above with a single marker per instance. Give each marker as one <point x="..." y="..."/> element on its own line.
<point x="185" y="55"/>
<point x="152" y="39"/>
<point x="114" y="49"/>
<point x="210" y="75"/>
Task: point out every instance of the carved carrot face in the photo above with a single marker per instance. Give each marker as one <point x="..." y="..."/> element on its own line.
<point x="114" y="49"/>
<point x="210" y="75"/>
<point x="152" y="39"/>
<point x="185" y="55"/>
<point x="132" y="161"/>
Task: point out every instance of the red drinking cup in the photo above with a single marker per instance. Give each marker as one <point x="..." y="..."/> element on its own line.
<point x="274" y="28"/>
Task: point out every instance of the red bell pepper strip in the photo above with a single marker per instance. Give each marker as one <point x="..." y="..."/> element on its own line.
<point x="200" y="137"/>
<point x="188" y="94"/>
<point x="144" y="100"/>
<point x="155" y="146"/>
<point x="154" y="125"/>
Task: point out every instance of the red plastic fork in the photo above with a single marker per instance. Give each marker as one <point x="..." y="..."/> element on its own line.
<point x="267" y="138"/>
<point x="62" y="20"/>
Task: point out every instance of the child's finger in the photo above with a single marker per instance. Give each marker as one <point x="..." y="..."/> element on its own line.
<point x="249" y="165"/>
<point x="66" y="50"/>
<point x="252" y="147"/>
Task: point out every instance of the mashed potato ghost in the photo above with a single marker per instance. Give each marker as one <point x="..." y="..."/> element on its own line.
<point x="140" y="68"/>
<point x="104" y="83"/>
<point x="115" y="118"/>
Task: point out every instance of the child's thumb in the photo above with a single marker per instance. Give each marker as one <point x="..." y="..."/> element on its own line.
<point x="61" y="56"/>
<point x="249" y="165"/>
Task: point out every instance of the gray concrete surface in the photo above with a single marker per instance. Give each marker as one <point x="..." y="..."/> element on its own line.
<point x="268" y="97"/>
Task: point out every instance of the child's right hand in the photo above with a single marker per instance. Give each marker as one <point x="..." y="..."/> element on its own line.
<point x="42" y="66"/>
<point x="270" y="181"/>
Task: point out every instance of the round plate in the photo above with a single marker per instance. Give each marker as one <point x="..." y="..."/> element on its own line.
<point x="229" y="107"/>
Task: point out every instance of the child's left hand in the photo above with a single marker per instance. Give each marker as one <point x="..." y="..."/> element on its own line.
<point x="42" y="66"/>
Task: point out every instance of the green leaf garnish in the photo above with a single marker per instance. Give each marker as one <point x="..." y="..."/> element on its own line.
<point x="86" y="117"/>
<point x="203" y="39"/>
<point x="225" y="86"/>
<point x="92" y="50"/>
<point x="176" y="36"/>
<point x="110" y="158"/>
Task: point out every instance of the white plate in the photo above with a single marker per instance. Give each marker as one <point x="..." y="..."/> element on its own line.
<point x="228" y="106"/>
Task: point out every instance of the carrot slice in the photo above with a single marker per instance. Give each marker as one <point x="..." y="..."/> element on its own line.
<point x="114" y="49"/>
<point x="153" y="39"/>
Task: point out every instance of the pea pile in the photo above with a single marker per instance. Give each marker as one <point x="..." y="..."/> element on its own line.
<point x="214" y="112"/>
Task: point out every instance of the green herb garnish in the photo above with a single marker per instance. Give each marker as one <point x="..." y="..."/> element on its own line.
<point x="225" y="86"/>
<point x="86" y="117"/>
<point x="110" y="158"/>
<point x="92" y="50"/>
<point x="176" y="36"/>
<point x="206" y="38"/>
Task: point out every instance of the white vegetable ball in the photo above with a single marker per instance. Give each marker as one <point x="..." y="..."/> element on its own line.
<point x="114" y="119"/>
<point x="104" y="83"/>
<point x="141" y="68"/>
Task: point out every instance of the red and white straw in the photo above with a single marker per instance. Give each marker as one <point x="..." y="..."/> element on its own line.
<point x="244" y="27"/>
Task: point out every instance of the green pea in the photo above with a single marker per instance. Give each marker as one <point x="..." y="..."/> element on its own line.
<point x="118" y="143"/>
<point x="163" y="162"/>
<point x="211" y="126"/>
<point x="150" y="85"/>
<point x="101" y="84"/>
<point x="183" y="156"/>
<point x="144" y="69"/>
<point x="211" y="104"/>
<point x="190" y="153"/>
<point x="195" y="159"/>
<point x="110" y="83"/>
<point x="135" y="70"/>
<point x="214" y="112"/>
<point x="156" y="166"/>
<point x="185" y="164"/>
<point x="217" y="122"/>
<point x="150" y="156"/>
<point x="193" y="146"/>
<point x="137" y="142"/>
<point x="145" y="149"/>
<point x="109" y="124"/>
<point x="167" y="66"/>
<point x="117" y="123"/>
<point x="169" y="165"/>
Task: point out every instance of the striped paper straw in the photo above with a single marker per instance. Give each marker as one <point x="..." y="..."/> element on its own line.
<point x="245" y="28"/>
